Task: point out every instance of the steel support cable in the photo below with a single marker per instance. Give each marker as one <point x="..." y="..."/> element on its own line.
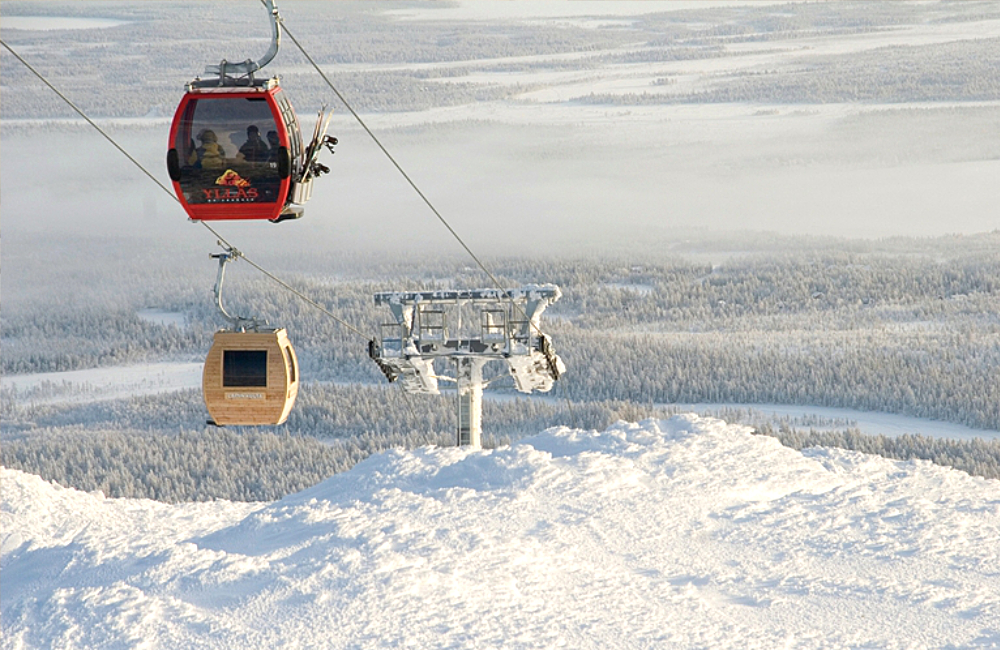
<point x="222" y="240"/>
<point x="423" y="197"/>
<point x="219" y="238"/>
<point x="406" y="176"/>
<point x="427" y="201"/>
<point x="303" y="297"/>
<point x="84" y="116"/>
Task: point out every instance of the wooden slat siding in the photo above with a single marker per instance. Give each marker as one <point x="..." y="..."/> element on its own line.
<point x="279" y="395"/>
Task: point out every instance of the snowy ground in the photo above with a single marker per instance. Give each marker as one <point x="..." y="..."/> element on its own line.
<point x="687" y="533"/>
<point x="116" y="382"/>
<point x="870" y="422"/>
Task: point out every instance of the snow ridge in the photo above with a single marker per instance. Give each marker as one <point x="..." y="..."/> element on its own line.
<point x="683" y="533"/>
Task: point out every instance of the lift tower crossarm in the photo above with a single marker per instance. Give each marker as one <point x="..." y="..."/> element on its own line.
<point x="534" y="298"/>
<point x="507" y="329"/>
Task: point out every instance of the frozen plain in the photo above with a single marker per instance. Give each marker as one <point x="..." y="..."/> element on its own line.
<point x="684" y="533"/>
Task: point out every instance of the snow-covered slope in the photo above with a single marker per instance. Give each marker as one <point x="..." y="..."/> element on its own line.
<point x="687" y="533"/>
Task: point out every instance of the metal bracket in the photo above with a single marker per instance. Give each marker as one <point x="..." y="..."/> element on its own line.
<point x="248" y="67"/>
<point x="238" y="323"/>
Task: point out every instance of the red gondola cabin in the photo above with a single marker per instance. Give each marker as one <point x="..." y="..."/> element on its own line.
<point x="235" y="152"/>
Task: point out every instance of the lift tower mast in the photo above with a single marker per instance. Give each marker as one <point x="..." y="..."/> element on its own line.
<point x="498" y="326"/>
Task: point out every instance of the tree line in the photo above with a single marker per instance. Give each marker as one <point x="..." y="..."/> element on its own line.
<point x="128" y="450"/>
<point x="911" y="334"/>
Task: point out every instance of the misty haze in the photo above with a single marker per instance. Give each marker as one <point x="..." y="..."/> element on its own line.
<point x="774" y="227"/>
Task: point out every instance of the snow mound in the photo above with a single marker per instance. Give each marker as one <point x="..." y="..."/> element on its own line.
<point x="683" y="533"/>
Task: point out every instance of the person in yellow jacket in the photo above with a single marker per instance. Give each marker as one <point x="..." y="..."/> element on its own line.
<point x="210" y="155"/>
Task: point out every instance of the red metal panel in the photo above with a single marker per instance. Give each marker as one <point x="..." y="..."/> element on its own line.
<point x="220" y="179"/>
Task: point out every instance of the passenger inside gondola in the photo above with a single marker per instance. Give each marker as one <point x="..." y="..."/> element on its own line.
<point x="210" y="155"/>
<point x="274" y="143"/>
<point x="254" y="150"/>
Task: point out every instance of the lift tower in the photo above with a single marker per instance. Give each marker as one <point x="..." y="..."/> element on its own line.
<point x="470" y="328"/>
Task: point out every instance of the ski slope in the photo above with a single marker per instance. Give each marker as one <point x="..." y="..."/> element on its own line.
<point x="684" y="533"/>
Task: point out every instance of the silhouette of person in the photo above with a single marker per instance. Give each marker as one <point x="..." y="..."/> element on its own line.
<point x="275" y="143"/>
<point x="254" y="149"/>
<point x="210" y="155"/>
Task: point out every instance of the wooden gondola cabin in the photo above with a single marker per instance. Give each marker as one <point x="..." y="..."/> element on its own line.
<point x="250" y="378"/>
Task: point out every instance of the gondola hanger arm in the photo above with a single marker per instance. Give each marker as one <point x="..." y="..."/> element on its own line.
<point x="238" y="323"/>
<point x="248" y="67"/>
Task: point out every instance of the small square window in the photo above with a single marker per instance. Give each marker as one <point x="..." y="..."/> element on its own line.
<point x="244" y="368"/>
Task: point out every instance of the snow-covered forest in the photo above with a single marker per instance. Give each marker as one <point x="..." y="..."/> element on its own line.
<point x="908" y="327"/>
<point x="774" y="228"/>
